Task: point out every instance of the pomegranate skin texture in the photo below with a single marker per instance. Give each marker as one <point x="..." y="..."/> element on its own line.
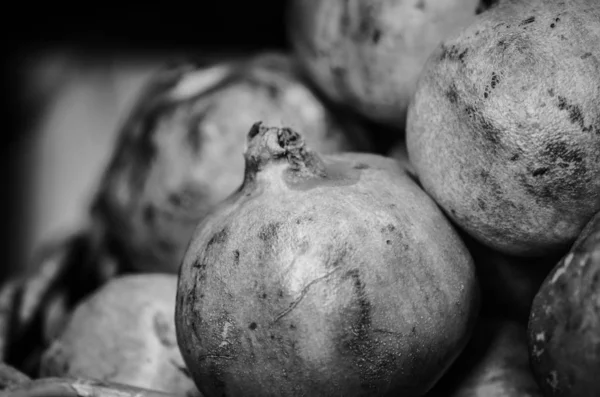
<point x="320" y="276"/>
<point x="178" y="150"/>
<point x="504" y="128"/>
<point x="564" y="326"/>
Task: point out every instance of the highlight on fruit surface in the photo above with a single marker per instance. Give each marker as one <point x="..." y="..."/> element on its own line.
<point x="368" y="54"/>
<point x="504" y="128"/>
<point x="179" y="151"/>
<point x="564" y="327"/>
<point x="323" y="275"/>
<point x="495" y="363"/>
<point x="124" y="333"/>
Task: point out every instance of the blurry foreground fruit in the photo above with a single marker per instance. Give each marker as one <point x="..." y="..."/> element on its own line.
<point x="564" y="328"/>
<point x="504" y="129"/>
<point x="494" y="364"/>
<point x="78" y="387"/>
<point x="180" y="150"/>
<point x="323" y="275"/>
<point x="368" y="54"/>
<point x="124" y="333"/>
<point x="36" y="305"/>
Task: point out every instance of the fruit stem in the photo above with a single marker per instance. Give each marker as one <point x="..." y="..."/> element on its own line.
<point x="272" y="145"/>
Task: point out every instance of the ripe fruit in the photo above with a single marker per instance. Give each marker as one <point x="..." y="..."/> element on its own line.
<point x="124" y="333"/>
<point x="564" y="327"/>
<point x="368" y="54"/>
<point x="323" y="275"/>
<point x="179" y="152"/>
<point x="494" y="364"/>
<point x="504" y="129"/>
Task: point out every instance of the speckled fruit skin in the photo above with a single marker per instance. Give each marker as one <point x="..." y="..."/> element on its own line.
<point x="322" y="276"/>
<point x="504" y="128"/>
<point x="368" y="54"/>
<point x="495" y="363"/>
<point x="180" y="150"/>
<point x="564" y="327"/>
<point x="124" y="333"/>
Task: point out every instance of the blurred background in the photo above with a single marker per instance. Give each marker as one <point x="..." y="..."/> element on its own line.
<point x="70" y="76"/>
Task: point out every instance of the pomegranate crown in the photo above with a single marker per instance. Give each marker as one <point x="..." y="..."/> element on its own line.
<point x="266" y="145"/>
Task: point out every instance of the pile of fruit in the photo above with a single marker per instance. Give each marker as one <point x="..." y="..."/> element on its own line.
<point x="407" y="204"/>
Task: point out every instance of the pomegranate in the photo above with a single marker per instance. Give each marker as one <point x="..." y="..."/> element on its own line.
<point x="494" y="364"/>
<point x="504" y="127"/>
<point x="323" y="275"/>
<point x="368" y="54"/>
<point x="564" y="327"/>
<point x="124" y="333"/>
<point x="179" y="151"/>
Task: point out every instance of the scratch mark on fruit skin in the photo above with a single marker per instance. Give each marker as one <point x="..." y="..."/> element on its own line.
<point x="452" y="94"/>
<point x="563" y="268"/>
<point x="453" y="53"/>
<point x="218" y="238"/>
<point x="527" y="21"/>
<point x="180" y="368"/>
<point x="575" y="114"/>
<point x="205" y="356"/>
<point x="303" y="293"/>
<point x="385" y="331"/>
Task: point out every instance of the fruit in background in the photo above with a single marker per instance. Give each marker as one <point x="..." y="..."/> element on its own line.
<point x="180" y="150"/>
<point x="367" y="54"/>
<point x="323" y="275"/>
<point x="564" y="327"/>
<point x="38" y="302"/>
<point x="504" y="128"/>
<point x="508" y="283"/>
<point x="79" y="387"/>
<point x="494" y="364"/>
<point x="124" y="333"/>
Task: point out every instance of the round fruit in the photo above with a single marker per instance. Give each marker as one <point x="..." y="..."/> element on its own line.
<point x="368" y="54"/>
<point x="504" y="129"/>
<point x="179" y="152"/>
<point x="494" y="364"/>
<point x="323" y="275"/>
<point x="564" y="327"/>
<point x="124" y="333"/>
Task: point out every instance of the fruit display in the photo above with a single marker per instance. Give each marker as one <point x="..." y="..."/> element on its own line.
<point x="404" y="200"/>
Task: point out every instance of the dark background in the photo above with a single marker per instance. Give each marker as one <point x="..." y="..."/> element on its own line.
<point x="94" y="29"/>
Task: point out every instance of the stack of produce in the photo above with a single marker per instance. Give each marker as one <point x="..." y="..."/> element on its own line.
<point x="407" y="203"/>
